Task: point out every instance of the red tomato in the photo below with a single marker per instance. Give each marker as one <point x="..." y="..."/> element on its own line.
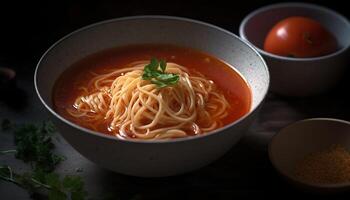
<point x="300" y="37"/>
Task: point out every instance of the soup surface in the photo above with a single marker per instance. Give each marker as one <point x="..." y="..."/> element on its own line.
<point x="75" y="83"/>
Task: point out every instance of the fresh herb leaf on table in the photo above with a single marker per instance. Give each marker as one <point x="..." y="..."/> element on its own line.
<point x="70" y="187"/>
<point x="34" y="145"/>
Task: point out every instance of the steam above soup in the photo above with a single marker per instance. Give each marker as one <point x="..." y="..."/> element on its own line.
<point x="151" y="92"/>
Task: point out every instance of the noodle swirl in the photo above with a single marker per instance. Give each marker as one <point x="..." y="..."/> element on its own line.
<point x="136" y="108"/>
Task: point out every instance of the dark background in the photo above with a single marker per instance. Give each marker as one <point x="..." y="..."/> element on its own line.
<point x="28" y="29"/>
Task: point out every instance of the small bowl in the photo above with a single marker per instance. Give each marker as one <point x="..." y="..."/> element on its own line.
<point x="299" y="76"/>
<point x="157" y="157"/>
<point x="299" y="139"/>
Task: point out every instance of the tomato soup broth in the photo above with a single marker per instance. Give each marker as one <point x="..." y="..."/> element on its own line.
<point x="229" y="81"/>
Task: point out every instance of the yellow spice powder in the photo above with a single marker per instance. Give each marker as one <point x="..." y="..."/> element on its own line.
<point x="329" y="166"/>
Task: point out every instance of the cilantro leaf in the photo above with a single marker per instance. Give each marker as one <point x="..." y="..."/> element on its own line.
<point x="53" y="180"/>
<point x="55" y="194"/>
<point x="153" y="65"/>
<point x="162" y="65"/>
<point x="57" y="188"/>
<point x="159" y="77"/>
<point x="73" y="183"/>
<point x="159" y="84"/>
<point x="6" y="173"/>
<point x="34" y="145"/>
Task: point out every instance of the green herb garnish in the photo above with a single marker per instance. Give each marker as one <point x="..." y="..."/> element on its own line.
<point x="34" y="145"/>
<point x="69" y="187"/>
<point x="155" y="72"/>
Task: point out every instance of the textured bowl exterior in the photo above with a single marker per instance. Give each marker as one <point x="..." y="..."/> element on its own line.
<point x="305" y="78"/>
<point x="152" y="158"/>
<point x="299" y="76"/>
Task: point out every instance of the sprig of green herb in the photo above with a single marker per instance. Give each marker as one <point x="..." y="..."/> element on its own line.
<point x="34" y="145"/>
<point x="155" y="72"/>
<point x="70" y="187"/>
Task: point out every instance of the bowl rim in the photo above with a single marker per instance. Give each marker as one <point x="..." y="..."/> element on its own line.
<point x="320" y="8"/>
<point x="160" y="17"/>
<point x="288" y="175"/>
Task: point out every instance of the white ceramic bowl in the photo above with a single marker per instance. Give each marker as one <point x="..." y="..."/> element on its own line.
<point x="163" y="157"/>
<point x="299" y="139"/>
<point x="299" y="76"/>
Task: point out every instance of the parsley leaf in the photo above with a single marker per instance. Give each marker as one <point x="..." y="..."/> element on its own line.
<point x="159" y="77"/>
<point x="6" y="173"/>
<point x="56" y="194"/>
<point x="162" y="65"/>
<point x="34" y="146"/>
